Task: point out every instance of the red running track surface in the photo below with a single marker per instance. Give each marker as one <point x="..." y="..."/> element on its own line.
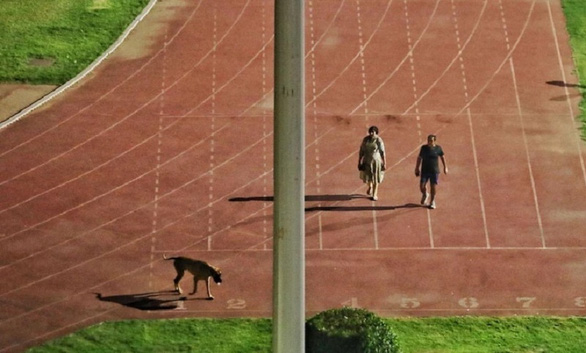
<point x="167" y="149"/>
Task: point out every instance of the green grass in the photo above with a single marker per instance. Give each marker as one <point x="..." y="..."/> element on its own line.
<point x="575" y="11"/>
<point x="422" y="335"/>
<point x="168" y="336"/>
<point x="67" y="35"/>
<point x="492" y="335"/>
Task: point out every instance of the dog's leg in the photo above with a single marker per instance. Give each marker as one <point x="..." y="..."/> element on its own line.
<point x="195" y="280"/>
<point x="180" y="274"/>
<point x="210" y="296"/>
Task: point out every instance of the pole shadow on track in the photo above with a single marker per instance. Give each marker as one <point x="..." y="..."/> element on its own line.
<point x="331" y="198"/>
<point x="361" y="208"/>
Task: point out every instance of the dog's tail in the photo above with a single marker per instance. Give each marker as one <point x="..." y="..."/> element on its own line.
<point x="168" y="258"/>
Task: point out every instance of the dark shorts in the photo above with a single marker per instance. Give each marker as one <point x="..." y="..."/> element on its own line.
<point x="432" y="178"/>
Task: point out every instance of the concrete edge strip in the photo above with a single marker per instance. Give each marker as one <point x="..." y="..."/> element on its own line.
<point x="82" y="74"/>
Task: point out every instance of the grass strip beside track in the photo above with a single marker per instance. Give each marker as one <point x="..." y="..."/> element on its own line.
<point x="50" y="42"/>
<point x="423" y="335"/>
<point x="575" y="11"/>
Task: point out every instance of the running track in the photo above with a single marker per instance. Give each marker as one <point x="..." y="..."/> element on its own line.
<point x="167" y="148"/>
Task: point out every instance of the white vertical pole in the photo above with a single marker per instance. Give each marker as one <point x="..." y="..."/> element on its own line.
<point x="289" y="179"/>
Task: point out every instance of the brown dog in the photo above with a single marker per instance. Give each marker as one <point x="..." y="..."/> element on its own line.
<point x="200" y="270"/>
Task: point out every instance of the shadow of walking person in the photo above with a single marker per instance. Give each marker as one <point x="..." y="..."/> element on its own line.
<point x="564" y="84"/>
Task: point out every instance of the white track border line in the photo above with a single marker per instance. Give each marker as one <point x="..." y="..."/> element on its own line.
<point x="85" y="72"/>
<point x="128" y="116"/>
<point x="560" y="61"/>
<point x="113" y="89"/>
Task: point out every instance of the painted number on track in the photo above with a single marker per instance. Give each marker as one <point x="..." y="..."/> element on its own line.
<point x="410" y="303"/>
<point x="236" y="304"/>
<point x="526" y="301"/>
<point x="580" y="302"/>
<point x="469" y="303"/>
<point x="352" y="303"/>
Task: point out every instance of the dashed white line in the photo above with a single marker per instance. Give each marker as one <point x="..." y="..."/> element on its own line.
<point x="213" y="126"/>
<point x="416" y="100"/>
<point x="158" y="161"/>
<point x="265" y="128"/>
<point x="312" y="60"/>
<point x="470" y="122"/>
<point x="364" y="103"/>
<point x="522" y="122"/>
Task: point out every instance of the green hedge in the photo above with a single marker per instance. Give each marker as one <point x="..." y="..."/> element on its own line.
<point x="348" y="330"/>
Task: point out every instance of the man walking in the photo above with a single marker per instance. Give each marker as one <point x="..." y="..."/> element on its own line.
<point x="427" y="168"/>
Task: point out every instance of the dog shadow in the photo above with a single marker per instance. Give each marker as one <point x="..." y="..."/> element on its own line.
<point x="146" y="301"/>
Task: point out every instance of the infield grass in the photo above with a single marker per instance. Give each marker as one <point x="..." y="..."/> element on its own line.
<point x="51" y="41"/>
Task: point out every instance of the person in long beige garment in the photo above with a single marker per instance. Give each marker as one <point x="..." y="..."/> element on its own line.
<point x="371" y="161"/>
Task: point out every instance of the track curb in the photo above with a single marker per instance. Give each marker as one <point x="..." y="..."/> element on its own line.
<point x="40" y="102"/>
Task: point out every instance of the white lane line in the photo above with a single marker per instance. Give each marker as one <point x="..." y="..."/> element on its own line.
<point x="504" y="62"/>
<point x="523" y="130"/>
<point x="456" y="57"/>
<point x="213" y="125"/>
<point x="266" y="128"/>
<point x="406" y="57"/>
<point x="168" y="87"/>
<point x="143" y="236"/>
<point x="529" y="165"/>
<point x="364" y="103"/>
<point x="265" y="95"/>
<point x="158" y="168"/>
<point x="128" y="182"/>
<point x="112" y="90"/>
<point x="168" y="194"/>
<point x="564" y="78"/>
<point x="470" y="122"/>
<point x="313" y="80"/>
<point x="82" y="74"/>
<point x="478" y="179"/>
<point x="416" y="99"/>
<point x="148" y="102"/>
<point x="265" y="207"/>
<point x="358" y="55"/>
<point x="361" y="56"/>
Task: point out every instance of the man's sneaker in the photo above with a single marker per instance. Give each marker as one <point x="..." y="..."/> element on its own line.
<point x="423" y="198"/>
<point x="432" y="205"/>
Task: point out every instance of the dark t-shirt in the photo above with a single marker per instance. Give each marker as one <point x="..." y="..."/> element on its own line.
<point x="430" y="156"/>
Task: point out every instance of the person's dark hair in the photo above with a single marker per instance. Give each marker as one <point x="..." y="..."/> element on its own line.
<point x="373" y="129"/>
<point x="431" y="137"/>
